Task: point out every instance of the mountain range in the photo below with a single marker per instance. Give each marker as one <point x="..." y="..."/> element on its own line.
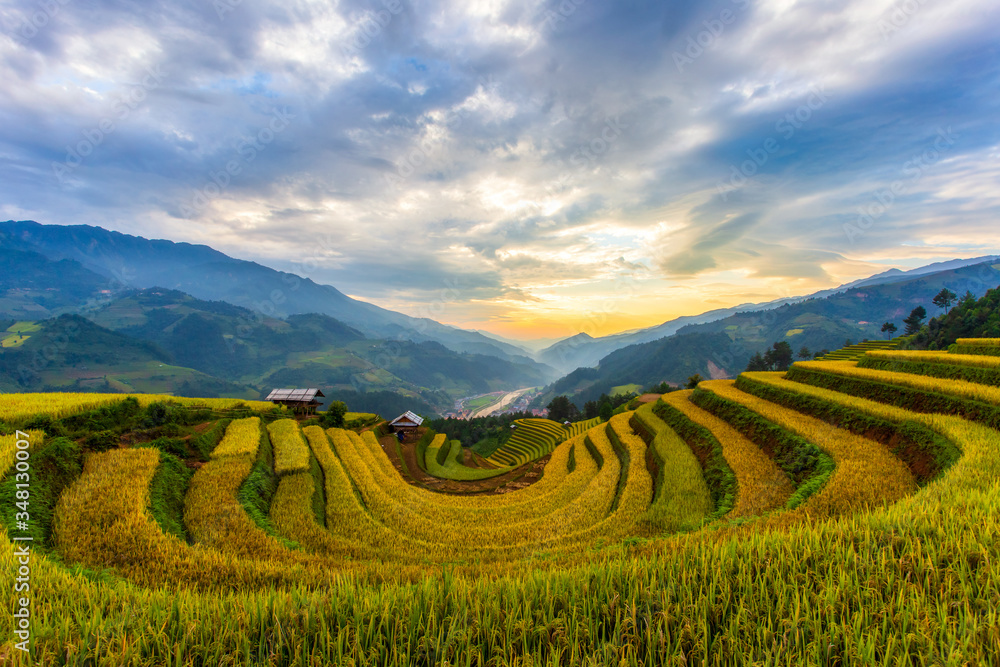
<point x="722" y="348"/>
<point x="583" y="350"/>
<point x="203" y="322"/>
<point x="131" y="262"/>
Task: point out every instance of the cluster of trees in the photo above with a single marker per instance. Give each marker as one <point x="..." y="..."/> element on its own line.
<point x="605" y="406"/>
<point x="970" y="318"/>
<point x="915" y="320"/>
<point x="494" y="430"/>
<point x="778" y="358"/>
<point x="562" y="409"/>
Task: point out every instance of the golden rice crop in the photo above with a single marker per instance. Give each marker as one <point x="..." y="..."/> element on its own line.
<point x="17" y="407"/>
<point x="242" y="438"/>
<point x="635" y="497"/>
<point x="8" y="448"/>
<point x="894" y="585"/>
<point x="346" y="517"/>
<point x="581" y="427"/>
<point x="378" y="489"/>
<point x="961" y="388"/>
<point x="975" y="360"/>
<point x="867" y="473"/>
<point x="524" y="502"/>
<point x="596" y="514"/>
<point x="291" y="453"/>
<point x="683" y="497"/>
<point x="761" y="484"/>
<point x="102" y="521"/>
<point x="980" y="342"/>
<point x="292" y="513"/>
<point x="780" y="581"/>
<point x="214" y="516"/>
<point x="553" y="525"/>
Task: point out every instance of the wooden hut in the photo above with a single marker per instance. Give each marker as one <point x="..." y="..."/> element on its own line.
<point x="406" y="423"/>
<point x="299" y="400"/>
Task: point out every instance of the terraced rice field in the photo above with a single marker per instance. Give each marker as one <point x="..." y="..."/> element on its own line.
<point x="833" y="515"/>
<point x="443" y="459"/>
<point x="532" y="439"/>
<point x="854" y="352"/>
<point x="987" y="346"/>
<point x="18" y="407"/>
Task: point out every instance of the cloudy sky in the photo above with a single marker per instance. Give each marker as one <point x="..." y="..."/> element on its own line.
<point x="529" y="168"/>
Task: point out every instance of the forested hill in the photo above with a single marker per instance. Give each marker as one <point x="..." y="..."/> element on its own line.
<point x="970" y="318"/>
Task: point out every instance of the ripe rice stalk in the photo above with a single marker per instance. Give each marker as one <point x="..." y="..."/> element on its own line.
<point x="867" y="474"/>
<point x="242" y="438"/>
<point x="291" y="453"/>
<point x="762" y="486"/>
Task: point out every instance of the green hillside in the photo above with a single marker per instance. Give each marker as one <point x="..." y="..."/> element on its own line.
<point x="161" y="340"/>
<point x="71" y="353"/>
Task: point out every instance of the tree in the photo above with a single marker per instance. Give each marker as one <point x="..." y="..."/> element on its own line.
<point x="606" y="412"/>
<point x="693" y="381"/>
<point x="561" y="409"/>
<point x="591" y="410"/>
<point x="334" y="415"/>
<point x="915" y="320"/>
<point x="944" y="299"/>
<point x="779" y="357"/>
<point x="889" y="328"/>
<point x="804" y="353"/>
<point x="757" y="363"/>
<point x="821" y="353"/>
<point x="662" y="388"/>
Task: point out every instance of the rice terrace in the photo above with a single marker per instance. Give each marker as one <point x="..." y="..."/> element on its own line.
<point x="843" y="512"/>
<point x="499" y="333"/>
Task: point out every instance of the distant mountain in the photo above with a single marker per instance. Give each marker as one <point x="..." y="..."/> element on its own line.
<point x="34" y="287"/>
<point x="71" y="353"/>
<point x="582" y="350"/>
<point x="124" y="261"/>
<point x="723" y="347"/>
<point x="313" y="350"/>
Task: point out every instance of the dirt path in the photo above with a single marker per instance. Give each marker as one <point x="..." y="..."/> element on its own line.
<point x="519" y="478"/>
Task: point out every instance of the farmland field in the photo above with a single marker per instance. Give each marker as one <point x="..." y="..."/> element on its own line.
<point x="805" y="518"/>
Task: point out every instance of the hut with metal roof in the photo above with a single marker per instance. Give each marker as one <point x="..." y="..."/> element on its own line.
<point x="406" y="423"/>
<point x="299" y="400"/>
